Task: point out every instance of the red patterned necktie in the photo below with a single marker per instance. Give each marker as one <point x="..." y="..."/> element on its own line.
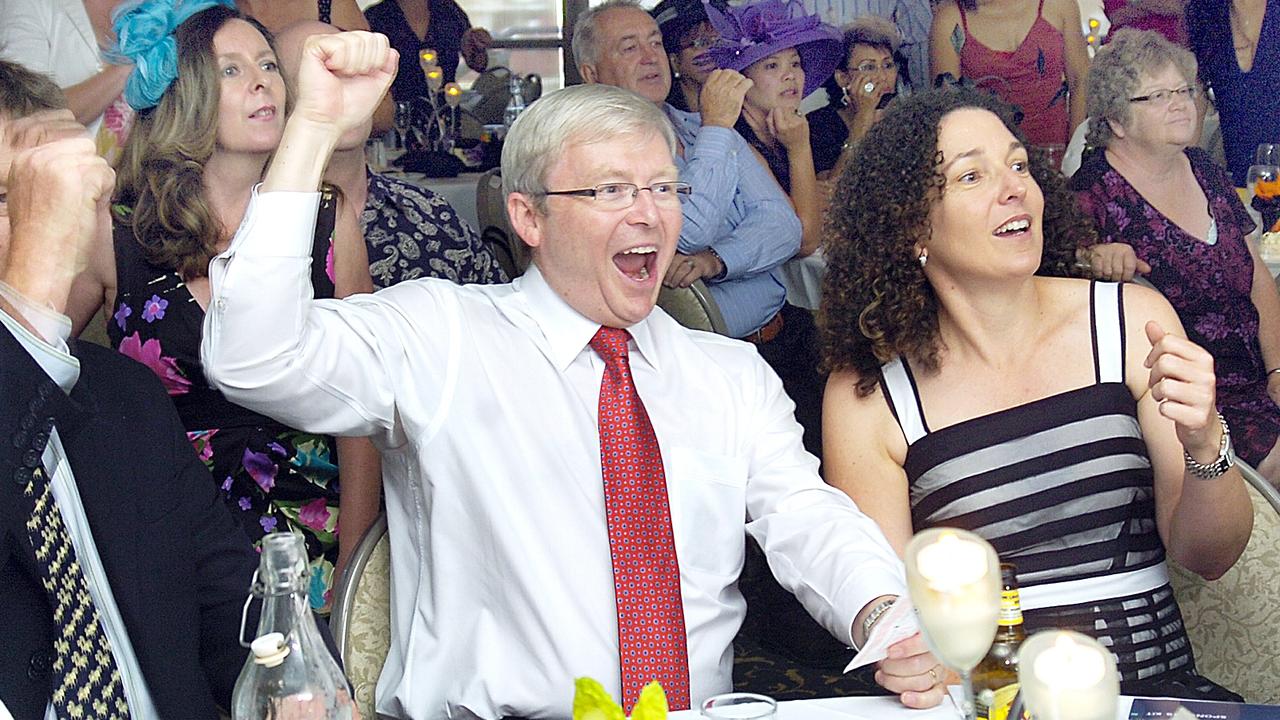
<point x="646" y="573"/>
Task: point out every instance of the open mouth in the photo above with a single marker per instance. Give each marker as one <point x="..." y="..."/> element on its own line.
<point x="1014" y="227"/>
<point x="266" y="112"/>
<point x="638" y="262"/>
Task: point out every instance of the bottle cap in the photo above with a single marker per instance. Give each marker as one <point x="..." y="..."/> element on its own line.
<point x="270" y="649"/>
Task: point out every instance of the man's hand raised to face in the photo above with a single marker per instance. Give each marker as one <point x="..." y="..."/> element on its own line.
<point x="57" y="194"/>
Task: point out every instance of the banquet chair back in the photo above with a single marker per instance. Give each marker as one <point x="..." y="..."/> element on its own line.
<point x="495" y="227"/>
<point x="693" y="307"/>
<point x="361" y="619"/>
<point x="1232" y="620"/>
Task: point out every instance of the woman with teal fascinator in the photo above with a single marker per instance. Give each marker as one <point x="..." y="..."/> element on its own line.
<point x="211" y="109"/>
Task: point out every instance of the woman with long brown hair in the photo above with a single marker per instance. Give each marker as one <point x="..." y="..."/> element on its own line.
<point x="202" y="140"/>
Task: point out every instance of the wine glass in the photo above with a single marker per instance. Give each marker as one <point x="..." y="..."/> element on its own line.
<point x="1064" y="675"/>
<point x="1268" y="154"/>
<point x="1265" y="174"/>
<point x="953" y="577"/>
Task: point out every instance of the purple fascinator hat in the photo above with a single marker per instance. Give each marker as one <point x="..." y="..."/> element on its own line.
<point x="754" y="32"/>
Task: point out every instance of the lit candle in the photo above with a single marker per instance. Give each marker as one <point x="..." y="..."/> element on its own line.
<point x="435" y="78"/>
<point x="428" y="58"/>
<point x="956" y="594"/>
<point x="452" y="94"/>
<point x="1068" y="676"/>
<point x="950" y="563"/>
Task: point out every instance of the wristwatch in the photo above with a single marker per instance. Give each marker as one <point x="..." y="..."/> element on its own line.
<point x="1225" y="461"/>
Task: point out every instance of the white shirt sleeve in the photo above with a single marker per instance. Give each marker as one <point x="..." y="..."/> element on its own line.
<point x="824" y="550"/>
<point x="328" y="366"/>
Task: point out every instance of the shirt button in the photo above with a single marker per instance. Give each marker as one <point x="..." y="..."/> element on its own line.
<point x="21" y="476"/>
<point x="40" y="665"/>
<point x="31" y="459"/>
<point x="29" y="422"/>
<point x="221" y="304"/>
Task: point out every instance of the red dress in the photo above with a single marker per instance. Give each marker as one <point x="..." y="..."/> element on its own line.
<point x="1033" y="77"/>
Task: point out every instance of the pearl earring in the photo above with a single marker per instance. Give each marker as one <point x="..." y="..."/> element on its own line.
<point x="924" y="257"/>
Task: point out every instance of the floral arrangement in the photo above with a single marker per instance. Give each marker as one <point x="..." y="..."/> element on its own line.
<point x="591" y="702"/>
<point x="144" y="37"/>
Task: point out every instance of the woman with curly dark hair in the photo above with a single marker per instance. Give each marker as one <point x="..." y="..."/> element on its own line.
<point x="1069" y="423"/>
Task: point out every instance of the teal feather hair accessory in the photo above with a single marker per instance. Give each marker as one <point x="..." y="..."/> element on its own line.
<point x="144" y="37"/>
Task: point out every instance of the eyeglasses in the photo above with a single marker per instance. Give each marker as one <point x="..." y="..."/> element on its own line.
<point x="867" y="66"/>
<point x="619" y="196"/>
<point x="1162" y="98"/>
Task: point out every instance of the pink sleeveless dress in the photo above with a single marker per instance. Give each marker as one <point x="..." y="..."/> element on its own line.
<point x="1033" y="77"/>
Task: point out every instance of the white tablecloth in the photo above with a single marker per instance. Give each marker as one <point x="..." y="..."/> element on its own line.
<point x="872" y="708"/>
<point x="802" y="277"/>
<point x="460" y="191"/>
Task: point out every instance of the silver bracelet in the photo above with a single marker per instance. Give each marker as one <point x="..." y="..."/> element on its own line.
<point x="1224" y="462"/>
<point x="876" y="612"/>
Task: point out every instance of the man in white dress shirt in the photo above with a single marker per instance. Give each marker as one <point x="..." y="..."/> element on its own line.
<point x="484" y="402"/>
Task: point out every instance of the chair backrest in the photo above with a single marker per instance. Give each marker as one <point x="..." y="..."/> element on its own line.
<point x="693" y="307"/>
<point x="495" y="227"/>
<point x="361" y="619"/>
<point x="1232" y="621"/>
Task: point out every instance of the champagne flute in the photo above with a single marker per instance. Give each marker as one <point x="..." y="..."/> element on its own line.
<point x="953" y="577"/>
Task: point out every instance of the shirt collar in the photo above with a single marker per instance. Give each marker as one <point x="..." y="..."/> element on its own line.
<point x="567" y="331"/>
<point x="51" y="354"/>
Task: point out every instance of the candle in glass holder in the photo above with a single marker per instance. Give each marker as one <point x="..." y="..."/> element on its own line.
<point x="452" y="94"/>
<point x="428" y="58"/>
<point x="954" y="595"/>
<point x="435" y="78"/>
<point x="1068" y="676"/>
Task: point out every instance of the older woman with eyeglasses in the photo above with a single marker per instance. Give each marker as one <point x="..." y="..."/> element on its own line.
<point x="864" y="82"/>
<point x="1166" y="211"/>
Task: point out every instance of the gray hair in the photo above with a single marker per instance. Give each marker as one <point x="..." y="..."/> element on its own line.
<point x="870" y="30"/>
<point x="1118" y="70"/>
<point x="575" y="115"/>
<point x="586" y="41"/>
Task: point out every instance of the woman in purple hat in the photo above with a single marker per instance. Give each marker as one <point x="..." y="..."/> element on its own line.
<point x="787" y="55"/>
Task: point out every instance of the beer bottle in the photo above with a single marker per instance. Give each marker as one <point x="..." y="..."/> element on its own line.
<point x="995" y="679"/>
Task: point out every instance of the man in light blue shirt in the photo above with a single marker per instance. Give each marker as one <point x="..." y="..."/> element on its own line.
<point x="739" y="227"/>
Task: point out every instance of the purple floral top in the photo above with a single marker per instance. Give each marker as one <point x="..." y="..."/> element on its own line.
<point x="1208" y="285"/>
<point x="272" y="477"/>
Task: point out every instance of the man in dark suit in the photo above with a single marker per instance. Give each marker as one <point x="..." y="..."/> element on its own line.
<point x="135" y="513"/>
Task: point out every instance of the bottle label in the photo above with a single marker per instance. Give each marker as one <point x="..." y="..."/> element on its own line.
<point x="1010" y="609"/>
<point x="995" y="705"/>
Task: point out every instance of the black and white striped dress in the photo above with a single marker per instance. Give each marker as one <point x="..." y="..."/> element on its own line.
<point x="1061" y="487"/>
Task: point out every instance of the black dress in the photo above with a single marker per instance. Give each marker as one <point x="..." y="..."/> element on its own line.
<point x="272" y="477"/>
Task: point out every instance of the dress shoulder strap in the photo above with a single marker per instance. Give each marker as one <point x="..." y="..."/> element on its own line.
<point x="964" y="17"/>
<point x="903" y="398"/>
<point x="1106" y="309"/>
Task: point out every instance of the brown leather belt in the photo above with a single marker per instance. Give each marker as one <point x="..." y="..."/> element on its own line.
<point x="768" y="332"/>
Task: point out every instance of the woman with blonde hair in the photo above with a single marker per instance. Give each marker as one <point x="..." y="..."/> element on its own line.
<point x="1165" y="210"/>
<point x="212" y="105"/>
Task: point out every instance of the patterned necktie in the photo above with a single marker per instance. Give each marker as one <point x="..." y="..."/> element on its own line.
<point x="87" y="681"/>
<point x="646" y="573"/>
